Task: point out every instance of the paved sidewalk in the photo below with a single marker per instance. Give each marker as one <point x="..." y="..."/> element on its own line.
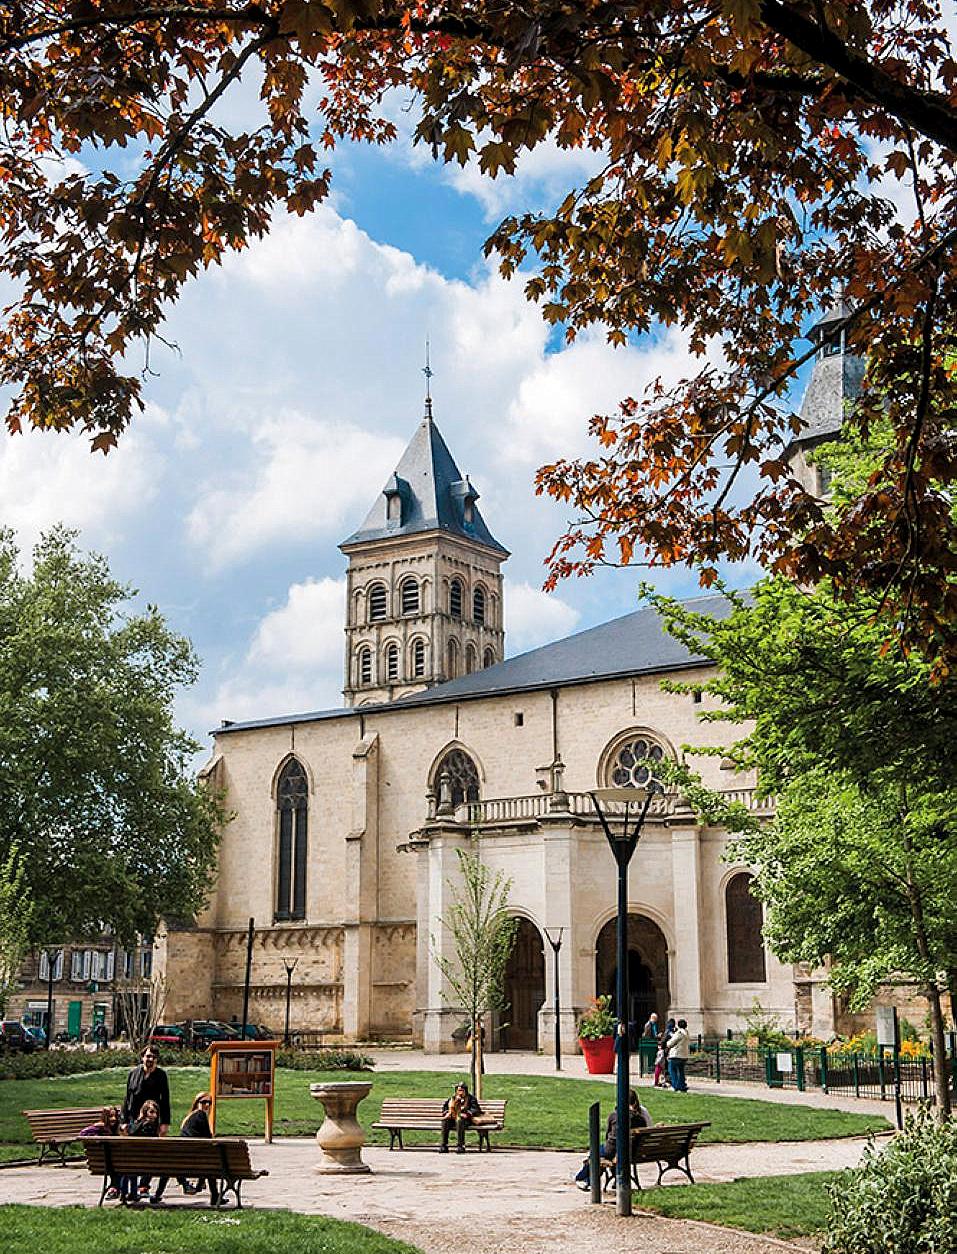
<point x="515" y="1200"/>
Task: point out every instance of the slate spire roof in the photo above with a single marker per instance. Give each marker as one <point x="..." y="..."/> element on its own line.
<point x="426" y="492"/>
<point x="835" y="380"/>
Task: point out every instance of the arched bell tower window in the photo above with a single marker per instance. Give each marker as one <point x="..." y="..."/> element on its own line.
<point x="463" y="776"/>
<point x="392" y="662"/>
<point x="478" y="606"/>
<point x="409" y="592"/>
<point x="488" y="658"/>
<point x="453" y="658"/>
<point x="418" y="659"/>
<point x="292" y="802"/>
<point x="470" y="657"/>
<point x="745" y="917"/>
<point x="378" y="603"/>
<point x="455" y="598"/>
<point x="365" y="665"/>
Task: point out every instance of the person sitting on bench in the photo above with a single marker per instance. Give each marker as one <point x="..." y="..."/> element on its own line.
<point x="639" y="1118"/>
<point x="196" y="1124"/>
<point x="458" y="1112"/>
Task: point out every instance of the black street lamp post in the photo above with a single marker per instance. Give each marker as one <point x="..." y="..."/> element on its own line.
<point x="53" y="957"/>
<point x="623" y="846"/>
<point x="556" y="945"/>
<point x="290" y="967"/>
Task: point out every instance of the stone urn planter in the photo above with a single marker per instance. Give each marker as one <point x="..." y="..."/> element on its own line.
<point x="599" y="1055"/>
<point x="340" y="1137"/>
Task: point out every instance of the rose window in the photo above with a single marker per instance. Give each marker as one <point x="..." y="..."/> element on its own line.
<point x="633" y="765"/>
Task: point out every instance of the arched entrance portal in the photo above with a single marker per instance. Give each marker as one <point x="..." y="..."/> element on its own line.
<point x="524" y="988"/>
<point x="647" y="967"/>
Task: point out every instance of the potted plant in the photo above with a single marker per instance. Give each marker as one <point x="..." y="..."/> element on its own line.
<point x="596" y="1036"/>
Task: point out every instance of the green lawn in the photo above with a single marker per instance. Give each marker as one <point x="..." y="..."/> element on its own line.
<point x="785" y="1206"/>
<point x="68" y="1229"/>
<point x="542" y="1110"/>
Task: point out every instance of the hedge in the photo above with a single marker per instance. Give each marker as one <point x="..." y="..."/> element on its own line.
<point x="43" y="1063"/>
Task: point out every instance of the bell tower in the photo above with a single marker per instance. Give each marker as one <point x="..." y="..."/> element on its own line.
<point x="424" y="582"/>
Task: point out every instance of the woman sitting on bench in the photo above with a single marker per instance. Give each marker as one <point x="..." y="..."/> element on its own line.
<point x="196" y="1124"/>
<point x="639" y="1118"/>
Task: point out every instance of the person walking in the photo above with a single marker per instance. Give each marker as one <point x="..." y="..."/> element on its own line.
<point x="650" y="1031"/>
<point x="679" y="1050"/>
<point x="661" y="1057"/>
<point x="196" y="1124"/>
<point x="458" y="1112"/>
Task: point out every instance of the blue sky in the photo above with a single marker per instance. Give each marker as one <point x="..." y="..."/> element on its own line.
<point x="296" y="386"/>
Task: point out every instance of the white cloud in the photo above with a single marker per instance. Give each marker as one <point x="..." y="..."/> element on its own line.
<point x="534" y="617"/>
<point x="543" y="177"/>
<point x="293" y="663"/>
<point x="306" y="632"/>
<point x="548" y="416"/>
<point x="48" y="478"/>
<point x="307" y="478"/>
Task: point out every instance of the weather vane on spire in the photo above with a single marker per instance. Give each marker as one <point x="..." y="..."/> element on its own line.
<point x="427" y="371"/>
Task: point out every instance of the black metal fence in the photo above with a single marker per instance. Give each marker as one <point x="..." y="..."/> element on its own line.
<point x="812" y="1067"/>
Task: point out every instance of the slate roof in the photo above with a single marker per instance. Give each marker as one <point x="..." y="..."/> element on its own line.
<point x="635" y="644"/>
<point x="433" y="492"/>
<point x="835" y="382"/>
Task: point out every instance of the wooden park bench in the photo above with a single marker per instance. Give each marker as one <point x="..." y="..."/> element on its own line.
<point x="225" y="1159"/>
<point x="668" y="1145"/>
<point x="54" y="1130"/>
<point x="424" y="1114"/>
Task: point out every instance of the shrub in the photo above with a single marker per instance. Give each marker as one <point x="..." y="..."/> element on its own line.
<point x="903" y="1197"/>
<point x="40" y="1065"/>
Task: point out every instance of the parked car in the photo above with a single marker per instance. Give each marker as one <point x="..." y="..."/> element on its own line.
<point x="168" y="1035"/>
<point x="259" y="1032"/>
<point x="14" y="1038"/>
<point x="206" y="1030"/>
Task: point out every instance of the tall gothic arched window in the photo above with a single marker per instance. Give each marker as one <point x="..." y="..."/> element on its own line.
<point x="745" y="916"/>
<point x="463" y="776"/>
<point x="452" y="653"/>
<point x="292" y="802"/>
<point x="478" y="605"/>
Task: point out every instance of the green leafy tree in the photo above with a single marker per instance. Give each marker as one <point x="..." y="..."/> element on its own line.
<point x="95" y="778"/>
<point x="16" y="910"/>
<point x="483" y="935"/>
<point x="859" y="866"/>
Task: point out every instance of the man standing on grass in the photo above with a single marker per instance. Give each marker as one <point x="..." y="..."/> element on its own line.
<point x="679" y="1050"/>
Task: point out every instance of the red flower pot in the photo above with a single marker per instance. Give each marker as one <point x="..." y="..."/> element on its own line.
<point x="599" y="1055"/>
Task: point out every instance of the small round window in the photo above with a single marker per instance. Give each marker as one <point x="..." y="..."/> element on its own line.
<point x="633" y="765"/>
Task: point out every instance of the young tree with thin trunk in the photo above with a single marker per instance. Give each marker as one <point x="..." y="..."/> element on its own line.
<point x="483" y="935"/>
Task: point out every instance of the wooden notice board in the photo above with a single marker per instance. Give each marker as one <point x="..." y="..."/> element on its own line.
<point x="240" y="1070"/>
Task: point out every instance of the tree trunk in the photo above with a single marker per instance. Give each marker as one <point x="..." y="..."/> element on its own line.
<point x="941" y="1078"/>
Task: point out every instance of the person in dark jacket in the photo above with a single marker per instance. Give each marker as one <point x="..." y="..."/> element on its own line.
<point x="147" y="1082"/>
<point x="196" y="1124"/>
<point x="146" y="1124"/>
<point x="640" y="1117"/>
<point x="458" y="1112"/>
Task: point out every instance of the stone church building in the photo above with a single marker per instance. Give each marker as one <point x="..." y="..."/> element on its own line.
<point x="348" y="821"/>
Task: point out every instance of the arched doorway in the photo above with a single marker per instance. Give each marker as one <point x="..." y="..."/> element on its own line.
<point x="647" y="967"/>
<point x="524" y="988"/>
